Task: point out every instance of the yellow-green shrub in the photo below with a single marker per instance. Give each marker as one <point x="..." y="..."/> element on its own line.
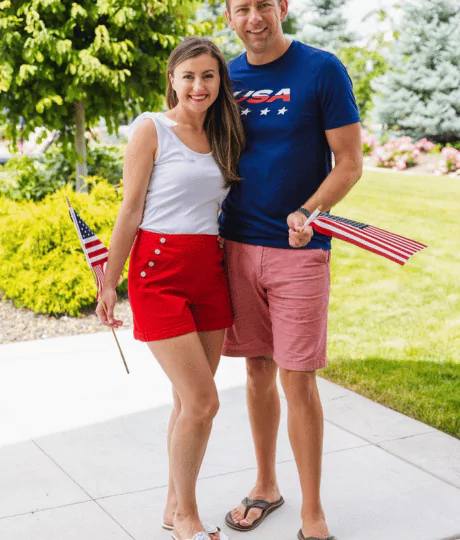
<point x="42" y="264"/>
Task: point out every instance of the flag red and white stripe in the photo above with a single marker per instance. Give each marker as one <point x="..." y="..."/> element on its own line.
<point x="392" y="246"/>
<point x="95" y="251"/>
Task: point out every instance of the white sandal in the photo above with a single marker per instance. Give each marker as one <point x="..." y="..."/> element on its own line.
<point x="198" y="536"/>
<point x="204" y="535"/>
<point x="208" y="528"/>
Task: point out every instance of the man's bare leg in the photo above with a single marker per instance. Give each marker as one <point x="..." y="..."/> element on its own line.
<point x="306" y="427"/>
<point x="264" y="415"/>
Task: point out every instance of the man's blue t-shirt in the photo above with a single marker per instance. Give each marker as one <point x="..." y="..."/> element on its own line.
<point x="286" y="106"/>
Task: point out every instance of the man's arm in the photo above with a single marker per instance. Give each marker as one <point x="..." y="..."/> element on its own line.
<point x="345" y="143"/>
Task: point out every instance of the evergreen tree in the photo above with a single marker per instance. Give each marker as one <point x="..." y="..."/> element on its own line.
<point x="64" y="64"/>
<point x="323" y="24"/>
<point x="420" y="93"/>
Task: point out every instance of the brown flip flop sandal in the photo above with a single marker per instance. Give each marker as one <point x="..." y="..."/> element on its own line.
<point x="267" y="508"/>
<point x="300" y="536"/>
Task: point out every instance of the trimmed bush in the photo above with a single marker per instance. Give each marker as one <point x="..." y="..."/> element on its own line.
<point x="43" y="266"/>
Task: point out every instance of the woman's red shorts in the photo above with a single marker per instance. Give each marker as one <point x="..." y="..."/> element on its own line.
<point x="177" y="285"/>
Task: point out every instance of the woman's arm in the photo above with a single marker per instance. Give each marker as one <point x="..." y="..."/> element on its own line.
<point x="137" y="170"/>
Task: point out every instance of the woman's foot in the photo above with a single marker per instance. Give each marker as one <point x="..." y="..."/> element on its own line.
<point x="169" y="512"/>
<point x="315" y="525"/>
<point x="270" y="494"/>
<point x="185" y="528"/>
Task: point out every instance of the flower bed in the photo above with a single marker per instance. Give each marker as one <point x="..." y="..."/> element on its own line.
<point x="449" y="163"/>
<point x="401" y="154"/>
<point x="398" y="154"/>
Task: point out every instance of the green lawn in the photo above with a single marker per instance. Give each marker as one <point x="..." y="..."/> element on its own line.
<point x="394" y="332"/>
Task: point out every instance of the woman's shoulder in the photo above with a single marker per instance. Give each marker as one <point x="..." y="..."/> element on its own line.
<point x="149" y="122"/>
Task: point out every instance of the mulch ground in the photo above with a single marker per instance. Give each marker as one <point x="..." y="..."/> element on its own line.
<point x="25" y="325"/>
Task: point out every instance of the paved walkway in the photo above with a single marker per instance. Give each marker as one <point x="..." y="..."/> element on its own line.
<point x="83" y="455"/>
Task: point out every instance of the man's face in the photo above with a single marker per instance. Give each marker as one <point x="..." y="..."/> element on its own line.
<point x="257" y="22"/>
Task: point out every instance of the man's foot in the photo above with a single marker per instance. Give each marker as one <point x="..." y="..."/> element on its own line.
<point x="270" y="495"/>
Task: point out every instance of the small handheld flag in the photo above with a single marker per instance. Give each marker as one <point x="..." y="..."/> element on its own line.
<point x="392" y="246"/>
<point x="95" y="252"/>
<point x="96" y="255"/>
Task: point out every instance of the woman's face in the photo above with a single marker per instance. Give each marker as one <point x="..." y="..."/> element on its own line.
<point x="197" y="82"/>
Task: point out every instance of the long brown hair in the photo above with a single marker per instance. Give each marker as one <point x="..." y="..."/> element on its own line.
<point x="222" y="124"/>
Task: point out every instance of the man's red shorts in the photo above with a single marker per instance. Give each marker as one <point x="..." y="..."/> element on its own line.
<point x="176" y="285"/>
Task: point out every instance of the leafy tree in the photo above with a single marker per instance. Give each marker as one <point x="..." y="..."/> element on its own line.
<point x="420" y="93"/>
<point x="324" y="25"/>
<point x="64" y="64"/>
<point x="363" y="65"/>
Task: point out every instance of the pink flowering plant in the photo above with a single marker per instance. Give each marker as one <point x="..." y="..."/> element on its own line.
<point x="449" y="162"/>
<point x="424" y="145"/>
<point x="369" y="142"/>
<point x="398" y="154"/>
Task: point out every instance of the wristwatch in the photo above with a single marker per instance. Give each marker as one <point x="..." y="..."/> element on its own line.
<point x="304" y="211"/>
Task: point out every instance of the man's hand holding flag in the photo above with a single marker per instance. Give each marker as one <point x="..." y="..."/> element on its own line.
<point x="386" y="244"/>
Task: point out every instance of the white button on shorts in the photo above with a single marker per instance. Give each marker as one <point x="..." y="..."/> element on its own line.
<point x="143" y="274"/>
<point x="162" y="240"/>
<point x="157" y="252"/>
<point x="151" y="263"/>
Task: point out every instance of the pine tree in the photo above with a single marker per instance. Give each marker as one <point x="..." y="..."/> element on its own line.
<point x="66" y="64"/>
<point x="420" y="93"/>
<point x="323" y="24"/>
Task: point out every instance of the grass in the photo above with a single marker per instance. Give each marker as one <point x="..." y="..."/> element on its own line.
<point x="394" y="332"/>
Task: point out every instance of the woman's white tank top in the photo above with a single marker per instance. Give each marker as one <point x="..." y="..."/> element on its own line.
<point x="186" y="188"/>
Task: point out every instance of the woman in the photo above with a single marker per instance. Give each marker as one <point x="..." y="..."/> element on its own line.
<point x="178" y="168"/>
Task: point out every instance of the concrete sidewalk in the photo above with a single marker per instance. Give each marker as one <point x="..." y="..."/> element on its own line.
<point x="83" y="453"/>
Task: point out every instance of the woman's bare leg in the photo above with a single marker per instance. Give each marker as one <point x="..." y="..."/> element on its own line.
<point x="212" y="345"/>
<point x="171" y="501"/>
<point x="184" y="360"/>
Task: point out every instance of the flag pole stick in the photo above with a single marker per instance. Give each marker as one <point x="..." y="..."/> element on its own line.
<point x="312" y="217"/>
<point x="113" y="331"/>
<point x="102" y="302"/>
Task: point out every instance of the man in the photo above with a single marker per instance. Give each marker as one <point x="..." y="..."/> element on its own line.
<point x="297" y="105"/>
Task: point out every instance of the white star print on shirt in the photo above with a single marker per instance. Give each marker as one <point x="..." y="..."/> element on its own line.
<point x="245" y="112"/>
<point x="264" y="112"/>
<point x="282" y="111"/>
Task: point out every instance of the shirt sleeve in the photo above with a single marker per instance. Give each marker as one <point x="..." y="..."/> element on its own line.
<point x="335" y="95"/>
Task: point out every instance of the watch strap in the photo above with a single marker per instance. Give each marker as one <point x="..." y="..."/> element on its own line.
<point x="304" y="211"/>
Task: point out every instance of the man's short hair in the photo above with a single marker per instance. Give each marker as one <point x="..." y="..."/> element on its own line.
<point x="227" y="3"/>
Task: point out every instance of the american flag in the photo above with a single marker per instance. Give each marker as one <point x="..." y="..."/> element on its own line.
<point x="392" y="246"/>
<point x="95" y="252"/>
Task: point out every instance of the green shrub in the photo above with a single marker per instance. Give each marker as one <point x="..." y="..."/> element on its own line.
<point x="32" y="179"/>
<point x="43" y="266"/>
<point x="107" y="161"/>
<point x="102" y="159"/>
<point x="26" y="178"/>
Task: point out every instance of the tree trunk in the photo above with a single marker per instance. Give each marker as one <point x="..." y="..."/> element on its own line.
<point x="80" y="147"/>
